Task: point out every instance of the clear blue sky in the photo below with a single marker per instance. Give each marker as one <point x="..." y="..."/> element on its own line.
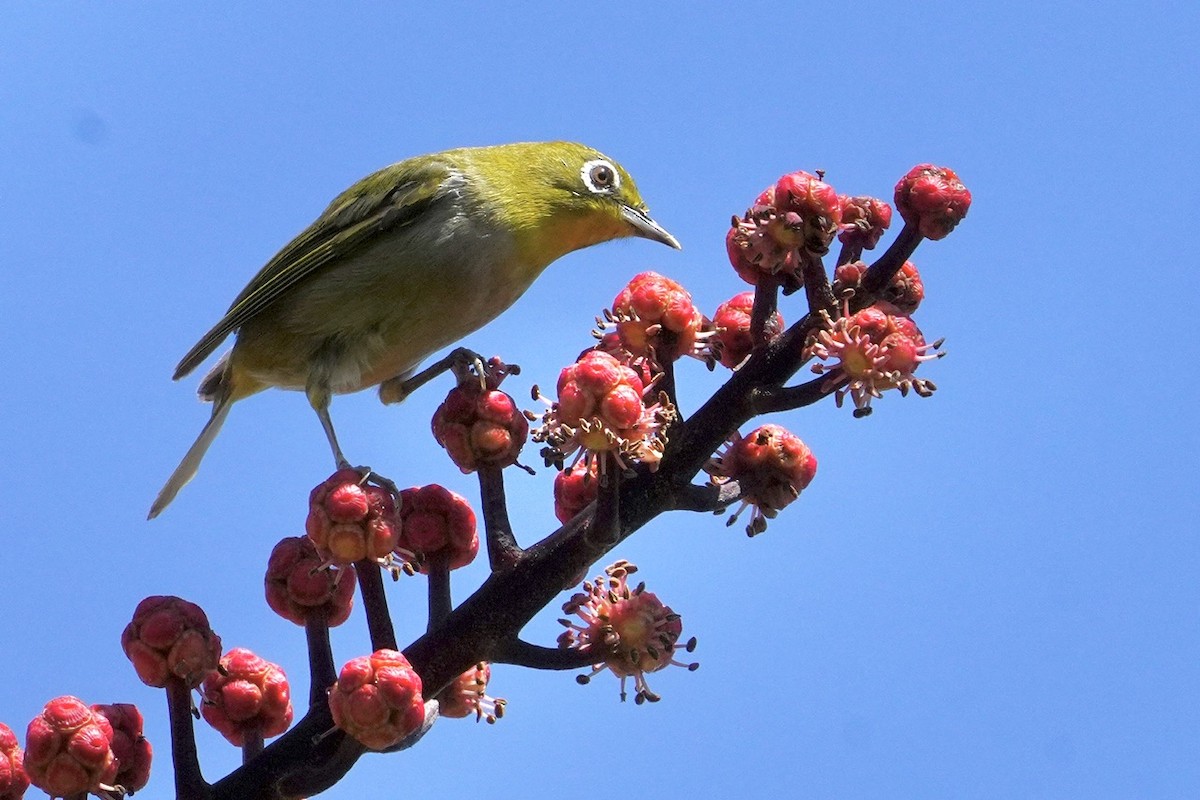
<point x="992" y="593"/>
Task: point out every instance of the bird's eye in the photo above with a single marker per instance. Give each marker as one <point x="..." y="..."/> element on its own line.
<point x="600" y="176"/>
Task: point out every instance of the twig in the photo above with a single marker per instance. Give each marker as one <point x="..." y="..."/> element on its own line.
<point x="379" y="621"/>
<point x="523" y="654"/>
<point x="503" y="550"/>
<point x="189" y="782"/>
<point x="440" y="603"/>
<point x="320" y="656"/>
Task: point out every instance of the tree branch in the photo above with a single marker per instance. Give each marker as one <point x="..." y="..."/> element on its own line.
<point x="189" y="782"/>
<point x="321" y="670"/>
<point x="379" y="621"/>
<point x="523" y="654"/>
<point x="502" y="547"/>
<point x="771" y="399"/>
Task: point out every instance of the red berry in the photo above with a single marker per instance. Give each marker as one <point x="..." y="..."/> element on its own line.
<point x="629" y="630"/>
<point x="170" y="638"/>
<point x="732" y="342"/>
<point x="771" y="465"/>
<point x="68" y="749"/>
<point x="130" y="747"/>
<point x="467" y="695"/>
<point x="864" y="219"/>
<point x="349" y="520"/>
<point x="377" y="699"/>
<point x="480" y="426"/>
<point x="656" y="319"/>
<point x="247" y="696"/>
<point x="299" y="583"/>
<point x="933" y="199"/>
<point x="438" y="523"/>
<point x="13" y="780"/>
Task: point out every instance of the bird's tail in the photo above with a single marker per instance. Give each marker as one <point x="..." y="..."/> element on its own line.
<point x="215" y="389"/>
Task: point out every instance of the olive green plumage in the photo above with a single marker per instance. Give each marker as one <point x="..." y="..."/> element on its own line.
<point x="405" y="262"/>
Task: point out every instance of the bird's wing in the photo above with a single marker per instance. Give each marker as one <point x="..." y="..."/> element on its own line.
<point x="393" y="197"/>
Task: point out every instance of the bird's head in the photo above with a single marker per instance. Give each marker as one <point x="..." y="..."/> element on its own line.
<point x="561" y="196"/>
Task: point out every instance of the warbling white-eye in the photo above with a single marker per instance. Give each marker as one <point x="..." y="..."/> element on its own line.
<point x="406" y="261"/>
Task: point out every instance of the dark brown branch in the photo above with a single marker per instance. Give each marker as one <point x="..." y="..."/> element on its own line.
<point x="253" y="745"/>
<point x="880" y="274"/>
<point x="379" y="621"/>
<point x="816" y="284"/>
<point x="766" y="301"/>
<point x="440" y="603"/>
<point x="320" y="655"/>
<point x="666" y="383"/>
<point x="523" y="654"/>
<point x="189" y="782"/>
<point x="503" y="550"/>
<point x="605" y="530"/>
<point x="707" y="497"/>
<point x="772" y="399"/>
<point x="851" y="251"/>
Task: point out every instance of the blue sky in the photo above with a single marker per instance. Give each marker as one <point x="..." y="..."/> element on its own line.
<point x="991" y="593"/>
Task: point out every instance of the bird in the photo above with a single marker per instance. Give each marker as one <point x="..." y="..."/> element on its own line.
<point x="408" y="260"/>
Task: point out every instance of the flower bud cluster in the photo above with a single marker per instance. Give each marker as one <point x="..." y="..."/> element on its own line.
<point x="771" y="465"/>
<point x="604" y="407"/>
<point x="247" y="697"/>
<point x="130" y="747"/>
<point x="13" y="780"/>
<point x="933" y="199"/>
<point x="731" y="342"/>
<point x="170" y="638"/>
<point x="796" y="218"/>
<point x="467" y="695"/>
<point x="300" y="584"/>
<point x="68" y="749"/>
<point x="871" y="351"/>
<point x="350" y="520"/>
<point x="627" y="629"/>
<point x="377" y="699"/>
<point x="478" y="424"/>
<point x="654" y="319"/>
<point x="438" y="525"/>
<point x="905" y="290"/>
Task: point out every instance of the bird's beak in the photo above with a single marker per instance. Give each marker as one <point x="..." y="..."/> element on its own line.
<point x="647" y="228"/>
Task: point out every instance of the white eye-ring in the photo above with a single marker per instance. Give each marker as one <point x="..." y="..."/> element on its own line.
<point x="600" y="176"/>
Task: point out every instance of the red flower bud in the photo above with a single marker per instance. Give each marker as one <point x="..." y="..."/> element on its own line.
<point x="299" y="583"/>
<point x="170" y="638"/>
<point x="377" y="699"/>
<point x="130" y="747"/>
<point x="349" y="520"/>
<point x="933" y="199"/>
<point x="247" y="696"/>
<point x="438" y="523"/>
<point x="68" y="749"/>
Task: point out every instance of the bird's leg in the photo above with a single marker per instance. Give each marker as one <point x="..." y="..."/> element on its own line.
<point x="460" y="361"/>
<point x="319" y="397"/>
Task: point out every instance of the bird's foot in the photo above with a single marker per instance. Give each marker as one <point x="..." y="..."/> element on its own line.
<point x="368" y="475"/>
<point x="466" y="365"/>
